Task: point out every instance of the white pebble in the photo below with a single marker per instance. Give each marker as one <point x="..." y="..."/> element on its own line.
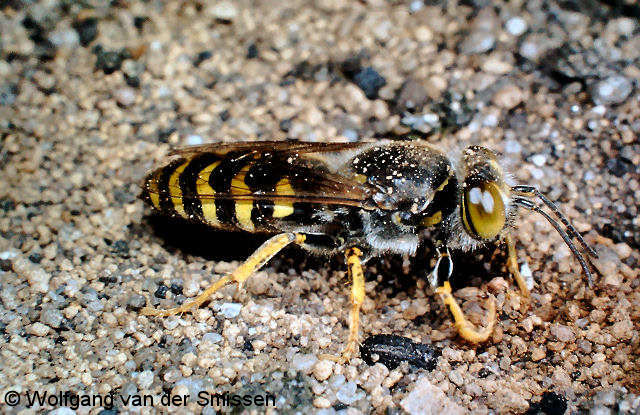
<point x="144" y="379"/>
<point x="63" y="411"/>
<point x="539" y="159"/>
<point x="125" y="96"/>
<point x="230" y="310"/>
<point x="347" y="394"/>
<point x="516" y="26"/>
<point x="415" y="6"/>
<point x="303" y="362"/>
<point x="512" y="146"/>
<point x="526" y="273"/>
<point x="38" y="329"/>
<point x="212" y="338"/>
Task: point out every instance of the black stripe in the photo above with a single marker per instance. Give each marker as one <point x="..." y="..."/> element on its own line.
<point x="444" y="200"/>
<point x="262" y="213"/>
<point x="188" y="184"/>
<point x="166" y="204"/>
<point x="220" y="180"/>
<point x="265" y="173"/>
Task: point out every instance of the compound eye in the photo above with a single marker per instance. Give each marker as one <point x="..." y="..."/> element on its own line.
<point x="483" y="212"/>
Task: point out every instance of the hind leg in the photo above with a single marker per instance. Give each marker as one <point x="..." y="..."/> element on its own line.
<point x="260" y="257"/>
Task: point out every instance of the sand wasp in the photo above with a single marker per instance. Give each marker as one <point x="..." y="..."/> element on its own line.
<point x="360" y="199"/>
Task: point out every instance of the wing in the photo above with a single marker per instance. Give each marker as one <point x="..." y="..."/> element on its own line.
<point x="275" y="172"/>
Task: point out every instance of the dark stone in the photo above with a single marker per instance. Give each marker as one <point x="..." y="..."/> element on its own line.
<point x="393" y="350"/>
<point x="370" y="81"/>
<point x="161" y="292"/>
<point x="252" y="51"/>
<point x="139" y="22"/>
<point x="618" y="166"/>
<point x="285" y="125"/>
<point x="108" y="61"/>
<point x="550" y="404"/>
<point x="7" y="204"/>
<point x="202" y="56"/>
<point x="8" y="93"/>
<point x="224" y="115"/>
<point x="87" y="30"/>
<point x="35" y="257"/>
<point x="176" y="289"/>
<point x="6" y="265"/>
<point x="121" y="247"/>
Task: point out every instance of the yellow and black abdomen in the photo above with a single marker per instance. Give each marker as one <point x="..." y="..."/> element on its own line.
<point x="233" y="190"/>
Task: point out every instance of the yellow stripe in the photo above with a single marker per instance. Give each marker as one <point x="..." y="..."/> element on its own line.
<point x="281" y="208"/>
<point x="153" y="191"/>
<point x="174" y="190"/>
<point x="432" y="220"/>
<point x="243" y="207"/>
<point x="205" y="194"/>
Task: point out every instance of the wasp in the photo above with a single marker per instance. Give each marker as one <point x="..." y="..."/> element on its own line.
<point x="361" y="200"/>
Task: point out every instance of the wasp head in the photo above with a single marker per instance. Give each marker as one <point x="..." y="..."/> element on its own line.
<point x="485" y="195"/>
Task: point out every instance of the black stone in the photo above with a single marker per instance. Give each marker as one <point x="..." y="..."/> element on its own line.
<point x="202" y="56"/>
<point x="35" y="257"/>
<point x="252" y="51"/>
<point x="370" y="81"/>
<point x="550" y="404"/>
<point x="139" y="22"/>
<point x="393" y="350"/>
<point x="161" y="292"/>
<point x="618" y="166"/>
<point x="87" y="30"/>
<point x="108" y="61"/>
<point x="285" y="125"/>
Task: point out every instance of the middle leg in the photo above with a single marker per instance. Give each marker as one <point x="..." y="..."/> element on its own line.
<point x="356" y="276"/>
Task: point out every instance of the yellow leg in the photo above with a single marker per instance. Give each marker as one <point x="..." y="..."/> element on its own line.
<point x="466" y="330"/>
<point x="512" y="265"/>
<point x="356" y="276"/>
<point x="260" y="257"/>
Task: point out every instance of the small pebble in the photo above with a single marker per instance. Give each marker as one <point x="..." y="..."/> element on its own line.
<point x="539" y="159"/>
<point x="612" y="90"/>
<point x="38" y="329"/>
<point x="212" y="338"/>
<point x="516" y="26"/>
<point x="347" y="394"/>
<point x="508" y="97"/>
<point x="304" y="362"/>
<point x="562" y="333"/>
<point x="62" y="411"/>
<point x="323" y="369"/>
<point x="477" y="42"/>
<point x="224" y="10"/>
<point x="370" y="81"/>
<point x="125" y="97"/>
<point x="230" y="310"/>
<point x="512" y="146"/>
<point x="415" y="6"/>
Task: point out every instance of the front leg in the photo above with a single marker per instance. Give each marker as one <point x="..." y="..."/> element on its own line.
<point x="512" y="265"/>
<point x="356" y="276"/>
<point x="465" y="328"/>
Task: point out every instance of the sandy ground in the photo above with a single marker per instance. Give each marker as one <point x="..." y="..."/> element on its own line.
<point x="93" y="95"/>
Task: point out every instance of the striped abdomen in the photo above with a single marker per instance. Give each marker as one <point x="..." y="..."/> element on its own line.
<point x="224" y="190"/>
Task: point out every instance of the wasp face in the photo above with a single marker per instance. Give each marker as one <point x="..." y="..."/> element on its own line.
<point x="484" y="196"/>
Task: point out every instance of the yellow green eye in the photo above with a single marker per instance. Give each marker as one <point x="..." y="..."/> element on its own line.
<point x="483" y="211"/>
